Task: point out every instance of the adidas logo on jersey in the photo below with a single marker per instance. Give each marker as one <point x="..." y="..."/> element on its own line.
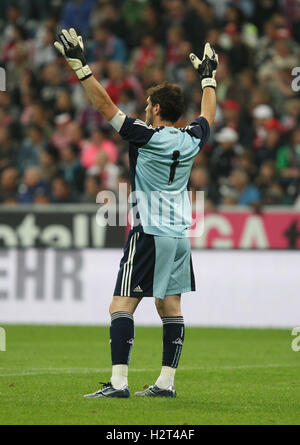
<point x="178" y="341"/>
<point x="138" y="289"/>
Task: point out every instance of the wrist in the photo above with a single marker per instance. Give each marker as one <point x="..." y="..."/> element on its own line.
<point x="208" y="82"/>
<point x="84" y="73"/>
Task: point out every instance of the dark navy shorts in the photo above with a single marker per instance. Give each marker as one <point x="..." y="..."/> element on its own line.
<point x="155" y="266"/>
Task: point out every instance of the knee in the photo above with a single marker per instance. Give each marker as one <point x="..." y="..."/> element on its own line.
<point x="127" y="304"/>
<point x="159" y="307"/>
<point x="172" y="307"/>
<point x="115" y="305"/>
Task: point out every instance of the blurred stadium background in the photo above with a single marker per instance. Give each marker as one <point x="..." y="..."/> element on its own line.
<point x="56" y="153"/>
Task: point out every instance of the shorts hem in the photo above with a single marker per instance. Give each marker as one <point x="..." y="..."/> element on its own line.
<point x="169" y="292"/>
<point x="177" y="291"/>
<point x="137" y="295"/>
<point x="180" y="291"/>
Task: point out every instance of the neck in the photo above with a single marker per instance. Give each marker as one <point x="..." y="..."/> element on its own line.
<point x="157" y="122"/>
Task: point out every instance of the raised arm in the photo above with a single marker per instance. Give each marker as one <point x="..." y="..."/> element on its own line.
<point x="207" y="68"/>
<point x="208" y="105"/>
<point x="99" y="98"/>
<point x="71" y="47"/>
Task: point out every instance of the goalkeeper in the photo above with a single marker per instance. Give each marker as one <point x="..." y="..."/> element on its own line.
<point x="157" y="256"/>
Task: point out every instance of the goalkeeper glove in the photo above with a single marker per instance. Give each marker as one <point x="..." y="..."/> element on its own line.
<point x="206" y="67"/>
<point x="71" y="47"/>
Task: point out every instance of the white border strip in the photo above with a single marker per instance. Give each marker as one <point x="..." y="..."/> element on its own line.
<point x="61" y="371"/>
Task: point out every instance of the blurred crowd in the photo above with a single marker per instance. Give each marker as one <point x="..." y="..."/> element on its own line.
<point x="55" y="148"/>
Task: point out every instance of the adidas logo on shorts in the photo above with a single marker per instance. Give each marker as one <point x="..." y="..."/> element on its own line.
<point x="138" y="289"/>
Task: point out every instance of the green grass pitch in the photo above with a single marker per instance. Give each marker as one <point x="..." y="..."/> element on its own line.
<point x="226" y="376"/>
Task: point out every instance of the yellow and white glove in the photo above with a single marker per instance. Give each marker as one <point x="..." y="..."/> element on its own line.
<point x="207" y="67"/>
<point x="71" y="47"/>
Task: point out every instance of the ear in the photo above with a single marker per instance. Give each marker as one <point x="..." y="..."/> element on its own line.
<point x="157" y="109"/>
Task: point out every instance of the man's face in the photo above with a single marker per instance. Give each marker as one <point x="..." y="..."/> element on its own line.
<point x="149" y="112"/>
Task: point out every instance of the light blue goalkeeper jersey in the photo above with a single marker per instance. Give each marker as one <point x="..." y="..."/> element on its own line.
<point x="160" y="164"/>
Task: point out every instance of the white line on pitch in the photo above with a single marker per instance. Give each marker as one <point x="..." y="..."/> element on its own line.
<point x="60" y="371"/>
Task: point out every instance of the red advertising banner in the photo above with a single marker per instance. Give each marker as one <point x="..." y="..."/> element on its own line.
<point x="247" y="230"/>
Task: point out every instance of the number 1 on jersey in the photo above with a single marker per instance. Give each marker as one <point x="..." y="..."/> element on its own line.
<point x="175" y="157"/>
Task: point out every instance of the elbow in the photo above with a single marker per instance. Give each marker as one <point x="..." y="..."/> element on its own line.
<point x="108" y="109"/>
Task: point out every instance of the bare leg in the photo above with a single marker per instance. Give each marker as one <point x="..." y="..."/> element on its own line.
<point x="127" y="304"/>
<point x="169" y="307"/>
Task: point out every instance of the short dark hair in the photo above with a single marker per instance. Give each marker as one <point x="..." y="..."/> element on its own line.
<point x="170" y="98"/>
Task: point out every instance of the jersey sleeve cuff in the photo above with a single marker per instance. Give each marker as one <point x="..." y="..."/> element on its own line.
<point x="118" y="120"/>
